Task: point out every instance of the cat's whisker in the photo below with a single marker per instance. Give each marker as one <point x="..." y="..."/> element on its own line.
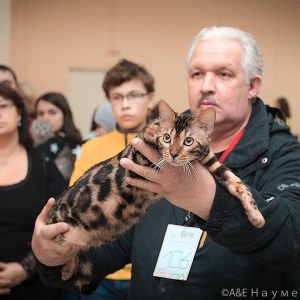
<point x="190" y="170"/>
<point x="159" y="164"/>
<point x="194" y="170"/>
<point x="186" y="172"/>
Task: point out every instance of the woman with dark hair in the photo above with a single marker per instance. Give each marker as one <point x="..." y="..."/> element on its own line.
<point x="64" y="124"/>
<point x="60" y="148"/>
<point x="23" y="193"/>
<point x="8" y="77"/>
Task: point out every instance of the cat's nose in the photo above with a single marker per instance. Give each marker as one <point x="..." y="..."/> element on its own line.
<point x="174" y="154"/>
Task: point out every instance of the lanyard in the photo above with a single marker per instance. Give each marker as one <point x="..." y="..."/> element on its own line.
<point x="231" y="146"/>
<point x="221" y="159"/>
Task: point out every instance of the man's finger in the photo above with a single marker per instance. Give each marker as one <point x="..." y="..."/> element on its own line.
<point x="2" y="266"/>
<point x="52" y="230"/>
<point x="5" y="291"/>
<point x="46" y="210"/>
<point x="153" y="155"/>
<point x="5" y="285"/>
<point x="145" y="172"/>
<point x="144" y="184"/>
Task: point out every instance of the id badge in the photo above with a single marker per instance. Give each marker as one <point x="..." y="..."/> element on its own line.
<point x="177" y="252"/>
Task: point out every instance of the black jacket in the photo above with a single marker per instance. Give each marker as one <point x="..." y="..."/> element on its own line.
<point x="237" y="259"/>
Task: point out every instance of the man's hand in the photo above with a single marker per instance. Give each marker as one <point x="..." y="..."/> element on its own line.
<point x="11" y="275"/>
<point x="193" y="191"/>
<point x="5" y="282"/>
<point x="46" y="249"/>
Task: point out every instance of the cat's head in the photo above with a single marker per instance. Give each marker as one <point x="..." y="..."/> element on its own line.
<point x="183" y="138"/>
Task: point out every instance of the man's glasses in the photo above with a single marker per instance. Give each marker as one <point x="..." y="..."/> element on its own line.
<point x="131" y="97"/>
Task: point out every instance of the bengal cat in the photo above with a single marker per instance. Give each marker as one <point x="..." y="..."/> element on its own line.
<point x="101" y="205"/>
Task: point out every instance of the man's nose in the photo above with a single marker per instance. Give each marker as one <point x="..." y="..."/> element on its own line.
<point x="208" y="83"/>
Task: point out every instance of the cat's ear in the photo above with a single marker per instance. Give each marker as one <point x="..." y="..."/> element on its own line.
<point x="207" y="119"/>
<point x="166" y="113"/>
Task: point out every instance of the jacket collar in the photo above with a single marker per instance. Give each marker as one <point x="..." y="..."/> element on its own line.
<point x="255" y="140"/>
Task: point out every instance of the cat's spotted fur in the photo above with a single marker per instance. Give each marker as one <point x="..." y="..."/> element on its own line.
<point x="101" y="205"/>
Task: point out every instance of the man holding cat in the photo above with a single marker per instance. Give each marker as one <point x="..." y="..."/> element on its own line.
<point x="225" y="69"/>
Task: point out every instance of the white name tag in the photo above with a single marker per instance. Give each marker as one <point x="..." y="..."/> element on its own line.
<point x="177" y="252"/>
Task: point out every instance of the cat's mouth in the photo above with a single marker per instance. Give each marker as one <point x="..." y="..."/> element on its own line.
<point x="175" y="163"/>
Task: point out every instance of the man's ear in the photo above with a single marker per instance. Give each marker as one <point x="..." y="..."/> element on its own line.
<point x="254" y="87"/>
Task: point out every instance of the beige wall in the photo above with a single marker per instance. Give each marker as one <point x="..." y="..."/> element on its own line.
<point x="5" y="9"/>
<point x="48" y="37"/>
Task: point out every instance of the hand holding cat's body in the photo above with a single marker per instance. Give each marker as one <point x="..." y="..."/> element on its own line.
<point x="201" y="182"/>
<point x="101" y="205"/>
<point x="46" y="248"/>
<point x="51" y="253"/>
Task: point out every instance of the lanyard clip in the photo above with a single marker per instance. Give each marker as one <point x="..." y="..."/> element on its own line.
<point x="188" y="216"/>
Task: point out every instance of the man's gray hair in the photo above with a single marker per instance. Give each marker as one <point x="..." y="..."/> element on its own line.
<point x="253" y="62"/>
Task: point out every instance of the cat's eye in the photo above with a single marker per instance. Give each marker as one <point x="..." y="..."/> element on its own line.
<point x="167" y="138"/>
<point x="188" y="141"/>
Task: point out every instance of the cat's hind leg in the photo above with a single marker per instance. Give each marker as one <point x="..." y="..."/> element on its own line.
<point x="68" y="269"/>
<point x="80" y="266"/>
<point x="83" y="269"/>
<point x="237" y="188"/>
<point x="254" y="215"/>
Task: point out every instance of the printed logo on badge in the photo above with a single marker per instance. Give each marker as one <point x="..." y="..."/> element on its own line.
<point x="177" y="252"/>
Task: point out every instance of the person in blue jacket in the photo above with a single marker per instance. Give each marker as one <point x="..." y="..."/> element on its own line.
<point x="235" y="259"/>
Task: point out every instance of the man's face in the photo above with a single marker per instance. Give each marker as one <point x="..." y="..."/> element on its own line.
<point x="216" y="78"/>
<point x="7" y="78"/>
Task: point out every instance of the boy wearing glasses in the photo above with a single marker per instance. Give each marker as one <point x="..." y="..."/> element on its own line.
<point x="130" y="89"/>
